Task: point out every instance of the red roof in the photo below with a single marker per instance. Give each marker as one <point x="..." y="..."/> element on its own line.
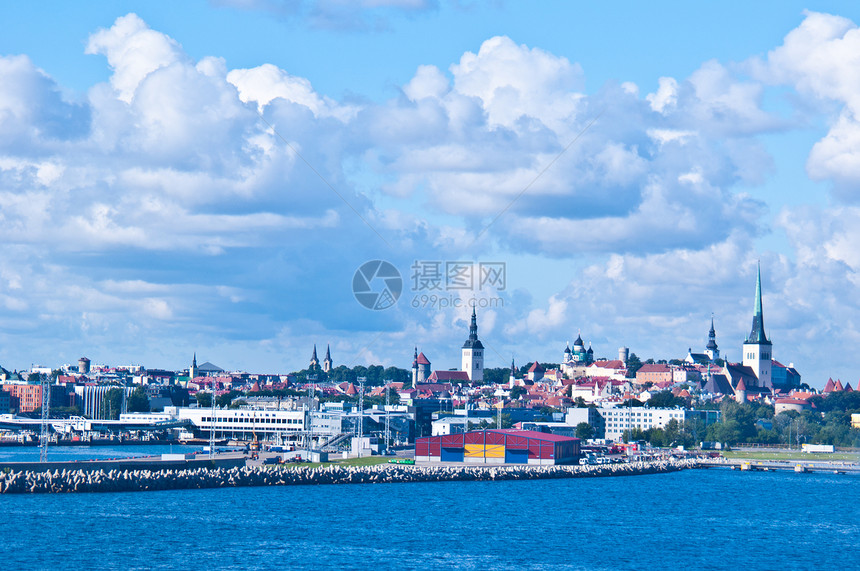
<point x="789" y="400"/>
<point x="449" y="376"/>
<point x="533" y="434"/>
<point x="616" y="364"/>
<point x="422" y="360"/>
<point x="536" y="368"/>
<point x="653" y="368"/>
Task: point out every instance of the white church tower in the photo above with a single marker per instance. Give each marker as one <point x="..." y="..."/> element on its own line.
<point x="473" y="352"/>
<point x="758" y="350"/>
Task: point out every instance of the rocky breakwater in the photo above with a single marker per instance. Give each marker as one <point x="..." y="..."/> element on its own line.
<point x="71" y="480"/>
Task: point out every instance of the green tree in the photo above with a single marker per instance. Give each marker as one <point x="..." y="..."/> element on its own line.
<point x="517" y="392"/>
<point x="112" y="403"/>
<point x="223" y="401"/>
<point x="584" y="431"/>
<point x="672" y="432"/>
<point x="665" y="399"/>
<point x="137" y="401"/>
<point x="204" y="399"/>
<point x="633" y="365"/>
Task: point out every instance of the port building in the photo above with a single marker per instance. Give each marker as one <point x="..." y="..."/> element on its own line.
<point x="501" y="446"/>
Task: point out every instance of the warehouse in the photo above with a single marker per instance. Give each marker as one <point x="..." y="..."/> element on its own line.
<point x="503" y="446"/>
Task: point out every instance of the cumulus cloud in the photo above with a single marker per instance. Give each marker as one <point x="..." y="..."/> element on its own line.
<point x="513" y="134"/>
<point x="165" y="196"/>
<point x="34" y="116"/>
<point x="821" y="59"/>
<point x="133" y="51"/>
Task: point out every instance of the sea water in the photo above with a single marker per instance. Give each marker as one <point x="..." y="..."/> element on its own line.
<point x="696" y="519"/>
<point x="88" y="452"/>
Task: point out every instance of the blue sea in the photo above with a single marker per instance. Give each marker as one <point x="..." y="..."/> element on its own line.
<point x="99" y="452"/>
<point x="696" y="519"/>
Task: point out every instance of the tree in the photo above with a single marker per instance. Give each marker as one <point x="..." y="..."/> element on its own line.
<point x="517" y="392"/>
<point x="137" y="401"/>
<point x="584" y="431"/>
<point x="204" y="400"/>
<point x="672" y="432"/>
<point x="223" y="401"/>
<point x="112" y="403"/>
<point x="633" y="365"/>
<point x="665" y="399"/>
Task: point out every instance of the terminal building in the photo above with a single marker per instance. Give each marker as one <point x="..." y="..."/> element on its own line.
<point x="240" y="424"/>
<point x="612" y="422"/>
<point x="502" y="446"/>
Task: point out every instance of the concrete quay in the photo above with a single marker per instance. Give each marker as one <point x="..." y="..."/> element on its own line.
<point x="129" y="479"/>
<point x="799" y="466"/>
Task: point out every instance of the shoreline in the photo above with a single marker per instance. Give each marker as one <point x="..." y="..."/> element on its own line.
<point x="132" y="480"/>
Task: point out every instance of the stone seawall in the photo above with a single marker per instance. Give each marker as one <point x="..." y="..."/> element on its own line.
<point x="71" y="480"/>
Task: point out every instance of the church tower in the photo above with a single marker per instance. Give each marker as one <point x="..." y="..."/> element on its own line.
<point x="758" y="350"/>
<point x="473" y="352"/>
<point x="315" y="362"/>
<point x="192" y="371"/>
<point x="711" y="349"/>
<point x="327" y="360"/>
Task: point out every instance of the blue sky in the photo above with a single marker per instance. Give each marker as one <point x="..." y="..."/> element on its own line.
<point x="207" y="176"/>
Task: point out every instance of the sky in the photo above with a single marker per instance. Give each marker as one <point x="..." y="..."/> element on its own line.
<point x="211" y="177"/>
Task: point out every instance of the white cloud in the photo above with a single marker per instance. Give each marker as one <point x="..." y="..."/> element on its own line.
<point x="514" y="81"/>
<point x="666" y="96"/>
<point x="821" y="59"/>
<point x="134" y="51"/>
<point x="264" y="83"/>
<point x="428" y="82"/>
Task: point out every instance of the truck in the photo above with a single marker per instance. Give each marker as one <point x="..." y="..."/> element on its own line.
<point x="818" y="448"/>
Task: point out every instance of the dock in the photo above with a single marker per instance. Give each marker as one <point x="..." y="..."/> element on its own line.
<point x="799" y="466"/>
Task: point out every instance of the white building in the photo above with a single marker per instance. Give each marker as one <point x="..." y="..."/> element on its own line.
<point x="612" y="422"/>
<point x="243" y="424"/>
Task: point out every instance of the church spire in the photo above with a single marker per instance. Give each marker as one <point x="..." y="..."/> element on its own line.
<point x="473" y="327"/>
<point x="757" y="335"/>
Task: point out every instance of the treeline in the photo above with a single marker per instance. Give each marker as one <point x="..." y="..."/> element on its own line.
<point x="375" y="375"/>
<point x="828" y="423"/>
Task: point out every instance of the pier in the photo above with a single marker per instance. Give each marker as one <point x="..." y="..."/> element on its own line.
<point x="128" y="478"/>
<point x="799" y="466"/>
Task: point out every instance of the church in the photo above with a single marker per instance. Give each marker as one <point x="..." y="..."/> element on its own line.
<point x="758" y="373"/>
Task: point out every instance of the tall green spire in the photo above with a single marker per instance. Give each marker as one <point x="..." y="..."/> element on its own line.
<point x="757" y="333"/>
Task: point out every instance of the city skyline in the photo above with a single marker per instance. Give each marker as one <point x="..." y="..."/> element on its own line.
<point x="209" y="177"/>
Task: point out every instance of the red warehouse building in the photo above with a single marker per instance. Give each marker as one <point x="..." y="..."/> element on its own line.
<point x="503" y="446"/>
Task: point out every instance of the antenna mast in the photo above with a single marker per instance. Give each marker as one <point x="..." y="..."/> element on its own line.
<point x="46" y="405"/>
